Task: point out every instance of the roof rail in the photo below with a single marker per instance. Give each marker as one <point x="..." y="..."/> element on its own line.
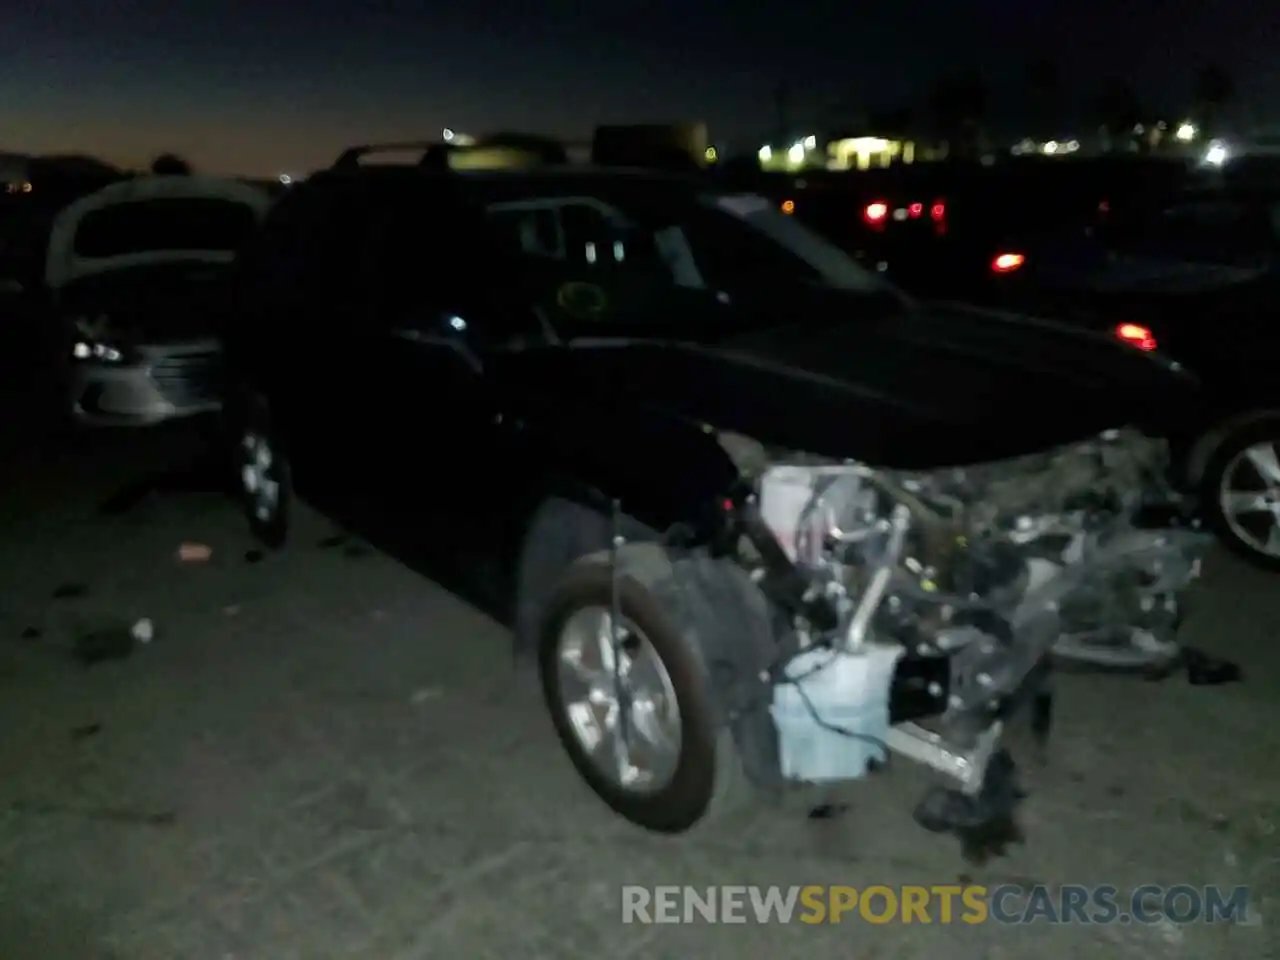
<point x="431" y="150"/>
<point x="435" y="153"/>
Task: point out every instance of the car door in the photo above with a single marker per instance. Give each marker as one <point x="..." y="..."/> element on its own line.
<point x="438" y="304"/>
<point x="305" y="320"/>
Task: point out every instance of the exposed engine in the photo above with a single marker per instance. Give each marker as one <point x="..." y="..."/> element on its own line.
<point x="1082" y="549"/>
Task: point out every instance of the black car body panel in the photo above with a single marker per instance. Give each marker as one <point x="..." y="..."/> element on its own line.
<point x="924" y="390"/>
<point x="1223" y="331"/>
<point x="614" y="397"/>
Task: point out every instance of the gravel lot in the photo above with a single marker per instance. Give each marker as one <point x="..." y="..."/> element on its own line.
<point x="323" y="754"/>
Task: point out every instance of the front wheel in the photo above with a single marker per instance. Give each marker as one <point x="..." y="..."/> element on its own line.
<point x="1241" y="493"/>
<point x="630" y="702"/>
<point x="265" y="480"/>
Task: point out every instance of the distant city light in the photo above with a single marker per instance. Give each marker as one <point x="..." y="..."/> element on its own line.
<point x="447" y="134"/>
<point x="1186" y="131"/>
<point x="796" y="153"/>
<point x="765" y="153"/>
<point x="1217" y="154"/>
<point x="711" y="154"/>
<point x="1050" y="147"/>
<point x="286" y="179"/>
<point x="810" y="142"/>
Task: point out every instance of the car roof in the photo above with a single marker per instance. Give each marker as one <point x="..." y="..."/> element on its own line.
<point x="491" y="186"/>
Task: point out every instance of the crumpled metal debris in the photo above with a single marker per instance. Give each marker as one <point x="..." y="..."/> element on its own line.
<point x="195" y="552"/>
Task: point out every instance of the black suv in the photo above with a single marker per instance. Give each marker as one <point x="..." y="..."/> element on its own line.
<point x="765" y="516"/>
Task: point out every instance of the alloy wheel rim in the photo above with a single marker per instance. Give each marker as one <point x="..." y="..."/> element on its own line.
<point x="258" y="477"/>
<point x="619" y="700"/>
<point x="1249" y="496"/>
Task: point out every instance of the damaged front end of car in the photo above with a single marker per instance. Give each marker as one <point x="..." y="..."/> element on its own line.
<point x="917" y="612"/>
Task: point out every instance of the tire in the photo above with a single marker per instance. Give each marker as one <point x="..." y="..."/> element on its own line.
<point x="707" y="772"/>
<point x="1229" y="470"/>
<point x="254" y="439"/>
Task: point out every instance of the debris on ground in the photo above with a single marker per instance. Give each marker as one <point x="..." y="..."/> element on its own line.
<point x="195" y="552"/>
<point x="86" y="731"/>
<point x="1201" y="669"/>
<point x="1206" y="671"/>
<point x="70" y="591"/>
<point x="424" y="694"/>
<point x="143" y="630"/>
<point x="98" y="646"/>
<point x="827" y="811"/>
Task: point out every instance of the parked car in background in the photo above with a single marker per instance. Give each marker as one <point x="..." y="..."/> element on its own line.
<point x="957" y="230"/>
<point x="1198" y="279"/>
<point x="1143" y="250"/>
<point x="137" y="275"/>
<point x="766" y="515"/>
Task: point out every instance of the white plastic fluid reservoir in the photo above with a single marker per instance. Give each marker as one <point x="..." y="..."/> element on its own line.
<point x="843" y="693"/>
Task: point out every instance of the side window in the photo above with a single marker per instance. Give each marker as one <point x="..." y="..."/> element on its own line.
<point x="573" y="232"/>
<point x="430" y="263"/>
<point x="533" y="230"/>
<point x="591" y="236"/>
<point x="727" y="251"/>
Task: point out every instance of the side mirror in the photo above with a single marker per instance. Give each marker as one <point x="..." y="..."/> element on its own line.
<point x="447" y="331"/>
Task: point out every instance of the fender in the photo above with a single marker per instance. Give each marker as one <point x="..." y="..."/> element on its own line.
<point x="1204" y="448"/>
<point x="665" y="471"/>
<point x="720" y="611"/>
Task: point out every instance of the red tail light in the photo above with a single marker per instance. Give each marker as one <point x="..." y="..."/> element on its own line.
<point x="875" y="213"/>
<point x="938" y="211"/>
<point x="915" y="210"/>
<point x="788" y="206"/>
<point x="1007" y="262"/>
<point x="1135" y="334"/>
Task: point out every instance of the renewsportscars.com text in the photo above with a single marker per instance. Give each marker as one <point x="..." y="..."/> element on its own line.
<point x="936" y="904"/>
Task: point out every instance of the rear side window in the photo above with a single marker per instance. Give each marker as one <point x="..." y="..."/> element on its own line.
<point x="534" y="231"/>
<point x="147" y="226"/>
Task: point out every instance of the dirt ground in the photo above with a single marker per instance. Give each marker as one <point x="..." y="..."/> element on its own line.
<point x="321" y="754"/>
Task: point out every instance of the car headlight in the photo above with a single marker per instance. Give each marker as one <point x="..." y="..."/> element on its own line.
<point x="95" y="342"/>
<point x="102" y="352"/>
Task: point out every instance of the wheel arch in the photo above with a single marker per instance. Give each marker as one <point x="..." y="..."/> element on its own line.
<point x="720" y="611"/>
<point x="1203" y="450"/>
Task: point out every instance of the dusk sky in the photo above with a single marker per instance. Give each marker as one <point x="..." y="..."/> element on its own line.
<point x="264" y="87"/>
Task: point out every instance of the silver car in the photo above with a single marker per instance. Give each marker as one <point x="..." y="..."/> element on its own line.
<point x="137" y="273"/>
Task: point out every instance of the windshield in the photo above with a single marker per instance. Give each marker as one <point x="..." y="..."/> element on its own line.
<point x="166" y="223"/>
<point x="747" y="236"/>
